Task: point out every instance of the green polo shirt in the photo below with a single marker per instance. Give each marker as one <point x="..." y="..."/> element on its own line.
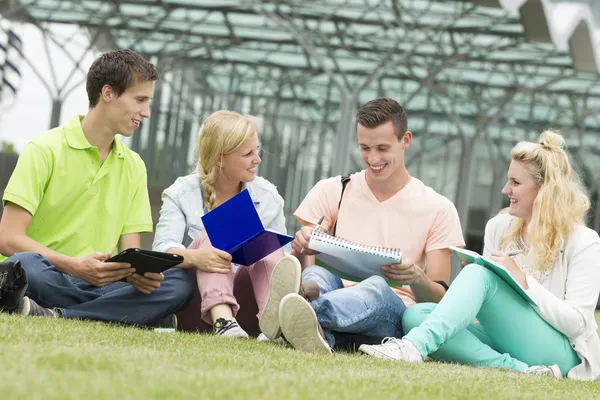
<point x="78" y="206"/>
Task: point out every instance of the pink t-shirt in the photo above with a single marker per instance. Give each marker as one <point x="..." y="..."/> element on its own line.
<point x="416" y="220"/>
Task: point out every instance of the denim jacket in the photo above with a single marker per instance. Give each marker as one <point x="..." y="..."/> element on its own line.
<point x="183" y="206"/>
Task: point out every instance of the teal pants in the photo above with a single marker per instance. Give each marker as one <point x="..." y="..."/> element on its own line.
<point x="510" y="334"/>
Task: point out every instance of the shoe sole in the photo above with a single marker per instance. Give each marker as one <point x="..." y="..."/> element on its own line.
<point x="300" y="326"/>
<point x="285" y="279"/>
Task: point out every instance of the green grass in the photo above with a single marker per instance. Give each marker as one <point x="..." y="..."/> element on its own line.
<point x="61" y="359"/>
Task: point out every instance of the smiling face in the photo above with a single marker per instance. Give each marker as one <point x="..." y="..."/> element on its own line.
<point x="521" y="189"/>
<point x="381" y="151"/>
<point x="241" y="164"/>
<point x="125" y="113"/>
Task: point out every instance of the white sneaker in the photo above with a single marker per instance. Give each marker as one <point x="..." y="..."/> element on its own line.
<point x="393" y="349"/>
<point x="280" y="340"/>
<point x="552" y="370"/>
<point x="300" y="326"/>
<point x="228" y="327"/>
<point x="285" y="278"/>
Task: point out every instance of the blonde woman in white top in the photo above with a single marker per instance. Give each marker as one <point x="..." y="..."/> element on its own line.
<point x="558" y="264"/>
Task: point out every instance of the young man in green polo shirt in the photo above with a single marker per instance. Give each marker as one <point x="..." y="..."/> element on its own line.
<point x="77" y="195"/>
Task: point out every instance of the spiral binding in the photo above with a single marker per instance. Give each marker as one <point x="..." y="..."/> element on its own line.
<point x="325" y="237"/>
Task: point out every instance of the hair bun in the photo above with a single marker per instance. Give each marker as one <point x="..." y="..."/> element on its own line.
<point x="552" y="140"/>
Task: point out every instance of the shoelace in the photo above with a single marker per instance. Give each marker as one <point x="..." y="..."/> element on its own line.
<point x="392" y="342"/>
<point x="223" y="325"/>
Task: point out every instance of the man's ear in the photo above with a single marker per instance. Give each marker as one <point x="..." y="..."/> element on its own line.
<point x="406" y="139"/>
<point x="107" y="93"/>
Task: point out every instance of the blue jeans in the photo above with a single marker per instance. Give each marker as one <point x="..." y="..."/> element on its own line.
<point x="364" y="313"/>
<point x="116" y="302"/>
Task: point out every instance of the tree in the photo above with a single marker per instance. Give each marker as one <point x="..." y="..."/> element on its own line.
<point x="7" y="147"/>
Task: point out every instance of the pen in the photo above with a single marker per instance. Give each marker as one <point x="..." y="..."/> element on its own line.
<point x="319" y="223"/>
<point x="513" y="253"/>
<point x="316" y="227"/>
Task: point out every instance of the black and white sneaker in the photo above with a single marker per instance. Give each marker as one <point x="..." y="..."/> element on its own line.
<point x="168" y="322"/>
<point x="229" y="328"/>
<point x="33" y="309"/>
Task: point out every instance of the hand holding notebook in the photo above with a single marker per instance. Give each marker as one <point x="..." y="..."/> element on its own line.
<point x="471" y="257"/>
<point x="351" y="260"/>
<point x="146" y="260"/>
<point x="235" y="227"/>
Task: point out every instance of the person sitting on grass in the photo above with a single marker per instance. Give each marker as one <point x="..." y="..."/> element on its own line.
<point x="76" y="194"/>
<point x="228" y="158"/>
<point x="382" y="206"/>
<point x="558" y="266"/>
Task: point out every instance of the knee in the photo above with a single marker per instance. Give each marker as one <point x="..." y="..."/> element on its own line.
<point x="376" y="282"/>
<point x="27" y="259"/>
<point x="378" y="286"/>
<point x="315" y="270"/>
<point x="33" y="264"/>
<point x="414" y="315"/>
<point x="475" y="271"/>
<point x="320" y="274"/>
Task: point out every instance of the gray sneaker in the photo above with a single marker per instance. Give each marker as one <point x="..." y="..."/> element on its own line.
<point x="33" y="309"/>
<point x="170" y="322"/>
<point x="552" y="370"/>
<point x="229" y="328"/>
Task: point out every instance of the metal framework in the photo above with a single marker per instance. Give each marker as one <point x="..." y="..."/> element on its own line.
<point x="10" y="50"/>
<point x="474" y="76"/>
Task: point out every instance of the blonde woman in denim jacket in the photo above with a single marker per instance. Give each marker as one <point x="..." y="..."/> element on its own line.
<point x="228" y="159"/>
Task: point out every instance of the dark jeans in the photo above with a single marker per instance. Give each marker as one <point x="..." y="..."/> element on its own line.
<point x="116" y="302"/>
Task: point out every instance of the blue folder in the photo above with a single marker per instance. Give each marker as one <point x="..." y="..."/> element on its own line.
<point x="235" y="227"/>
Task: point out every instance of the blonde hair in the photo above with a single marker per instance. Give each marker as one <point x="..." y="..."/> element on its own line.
<point x="561" y="201"/>
<point x="220" y="134"/>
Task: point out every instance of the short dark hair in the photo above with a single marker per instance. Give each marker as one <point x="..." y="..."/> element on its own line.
<point x="120" y="69"/>
<point x="379" y="111"/>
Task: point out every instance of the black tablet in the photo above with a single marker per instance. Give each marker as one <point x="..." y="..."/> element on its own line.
<point x="146" y="260"/>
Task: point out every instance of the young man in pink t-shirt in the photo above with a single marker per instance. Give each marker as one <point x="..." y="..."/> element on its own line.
<point x="381" y="206"/>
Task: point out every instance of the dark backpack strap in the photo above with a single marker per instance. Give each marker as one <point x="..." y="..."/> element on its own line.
<point x="345" y="180"/>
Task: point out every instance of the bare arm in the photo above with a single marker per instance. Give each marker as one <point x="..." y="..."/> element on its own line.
<point x="13" y="239"/>
<point x="131" y="240"/>
<point x="426" y="289"/>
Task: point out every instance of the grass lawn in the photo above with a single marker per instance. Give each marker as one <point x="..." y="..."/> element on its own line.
<point x="61" y="359"/>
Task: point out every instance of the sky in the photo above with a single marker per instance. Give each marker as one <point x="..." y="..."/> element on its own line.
<point x="29" y="114"/>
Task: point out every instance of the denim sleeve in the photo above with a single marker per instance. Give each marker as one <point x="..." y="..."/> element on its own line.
<point x="171" y="226"/>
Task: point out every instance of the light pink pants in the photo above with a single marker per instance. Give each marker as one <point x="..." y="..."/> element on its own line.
<point x="217" y="288"/>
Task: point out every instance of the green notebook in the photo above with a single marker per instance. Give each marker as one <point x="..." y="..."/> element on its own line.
<point x="471" y="257"/>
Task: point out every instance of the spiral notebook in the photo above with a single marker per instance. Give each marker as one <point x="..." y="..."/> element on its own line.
<point x="351" y="260"/>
